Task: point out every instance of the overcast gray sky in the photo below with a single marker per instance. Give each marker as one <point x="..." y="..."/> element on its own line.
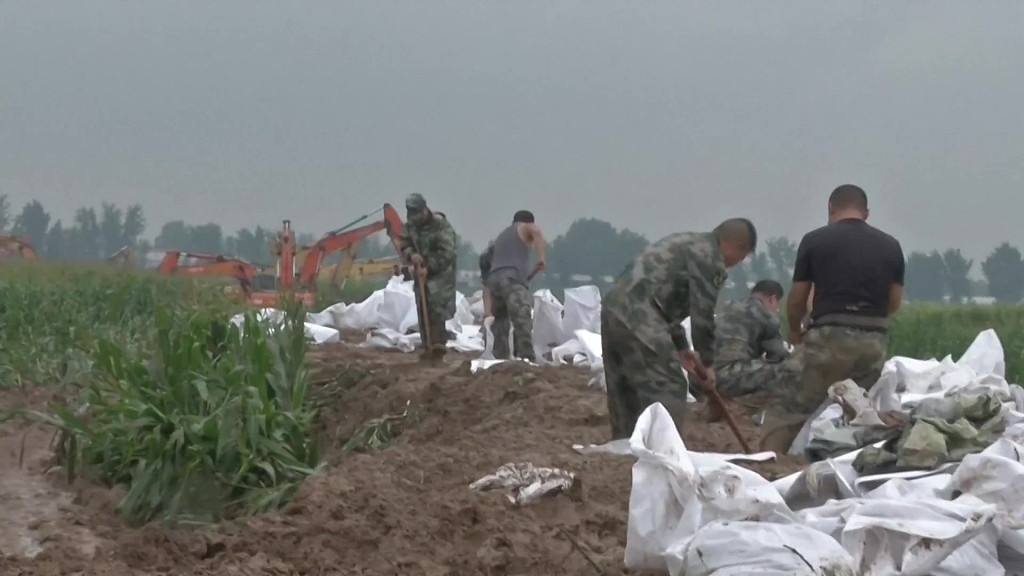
<point x="656" y="115"/>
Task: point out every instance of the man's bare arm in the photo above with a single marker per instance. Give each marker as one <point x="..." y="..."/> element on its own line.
<point x="536" y="238"/>
<point x="895" y="298"/>
<point x="796" y="308"/>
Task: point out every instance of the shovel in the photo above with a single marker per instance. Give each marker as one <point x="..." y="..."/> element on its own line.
<point x="421" y="291"/>
<point x="702" y="376"/>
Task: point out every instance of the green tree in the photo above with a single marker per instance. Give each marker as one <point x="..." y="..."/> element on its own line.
<point x="739" y="276"/>
<point x="958" y="271"/>
<point x="86" y="238"/>
<point x="134" y="226"/>
<point x="466" y="256"/>
<point x="761" y="268"/>
<point x="594" y="247"/>
<point x="33" y="222"/>
<point x="206" y="238"/>
<point x="5" y="212"/>
<point x="174" y="235"/>
<point x="782" y="254"/>
<point x="56" y="242"/>
<point x="111" y="229"/>
<point x="925" y="276"/>
<point x="1004" y="270"/>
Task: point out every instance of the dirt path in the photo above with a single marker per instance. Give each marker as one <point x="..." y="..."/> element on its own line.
<point x="404" y="510"/>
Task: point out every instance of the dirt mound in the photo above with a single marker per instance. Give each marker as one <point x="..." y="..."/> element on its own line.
<point x="408" y="508"/>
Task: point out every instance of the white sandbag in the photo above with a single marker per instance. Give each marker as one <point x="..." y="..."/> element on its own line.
<point x="463" y="311"/>
<point x="476" y="306"/>
<point x="979" y="555"/>
<point x="326" y="316"/>
<point x="582" y="310"/>
<point x="321" y="334"/>
<point x="361" y="315"/>
<point x="272" y="318"/>
<point x="675" y="493"/>
<point x="488" y="339"/>
<point x="985" y="355"/>
<point x="396" y="308"/>
<point x="547" y="324"/>
<point x="996" y="480"/>
<point x="743" y="548"/>
<point x="467" y="338"/>
<point x="388" y="338"/>
<point x="902" y="537"/>
<point x="566" y="353"/>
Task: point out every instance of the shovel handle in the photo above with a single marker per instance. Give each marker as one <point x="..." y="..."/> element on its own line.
<point x="421" y="273"/>
<point x="702" y="377"/>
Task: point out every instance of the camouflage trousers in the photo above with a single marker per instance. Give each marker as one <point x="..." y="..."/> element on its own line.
<point x="641" y="367"/>
<point x="512" y="305"/>
<point x="830" y="354"/>
<point x="833" y="354"/>
<point x="434" y="316"/>
<point x="760" y="379"/>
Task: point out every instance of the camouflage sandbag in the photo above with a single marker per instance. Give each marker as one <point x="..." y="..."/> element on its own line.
<point x="940" y="430"/>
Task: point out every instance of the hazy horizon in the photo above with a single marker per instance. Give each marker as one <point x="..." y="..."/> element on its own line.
<point x="657" y="117"/>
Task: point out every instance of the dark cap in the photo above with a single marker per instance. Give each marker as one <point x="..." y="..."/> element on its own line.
<point x="523" y="216"/>
<point x="414" y="203"/>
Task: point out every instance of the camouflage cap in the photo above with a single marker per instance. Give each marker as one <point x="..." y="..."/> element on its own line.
<point x="414" y="203"/>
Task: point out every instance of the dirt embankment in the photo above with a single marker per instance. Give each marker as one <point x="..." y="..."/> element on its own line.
<point x="404" y="510"/>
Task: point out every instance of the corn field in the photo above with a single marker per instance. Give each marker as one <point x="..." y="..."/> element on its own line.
<point x="199" y="418"/>
<point x="935" y="330"/>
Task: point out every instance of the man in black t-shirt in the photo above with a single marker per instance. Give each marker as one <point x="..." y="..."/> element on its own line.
<point x="857" y="272"/>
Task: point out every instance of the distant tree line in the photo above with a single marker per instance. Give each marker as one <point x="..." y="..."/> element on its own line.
<point x="590" y="251"/>
<point x="96" y="234"/>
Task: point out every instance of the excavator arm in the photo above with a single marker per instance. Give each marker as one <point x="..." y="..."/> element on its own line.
<point x="348" y="240"/>
<point x="122" y="257"/>
<point x="218" y="265"/>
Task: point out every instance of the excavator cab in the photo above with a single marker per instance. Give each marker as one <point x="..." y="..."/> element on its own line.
<point x="12" y="247"/>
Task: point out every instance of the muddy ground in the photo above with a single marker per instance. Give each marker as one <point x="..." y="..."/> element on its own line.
<point x="405" y="509"/>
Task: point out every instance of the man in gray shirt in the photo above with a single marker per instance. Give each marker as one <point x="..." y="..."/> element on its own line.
<point x="508" y="283"/>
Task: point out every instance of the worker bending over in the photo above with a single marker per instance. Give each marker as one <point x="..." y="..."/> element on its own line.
<point x="857" y="272"/>
<point x="508" y="281"/>
<point x="643" y="343"/>
<point x="428" y="244"/>
<point x="750" y="353"/>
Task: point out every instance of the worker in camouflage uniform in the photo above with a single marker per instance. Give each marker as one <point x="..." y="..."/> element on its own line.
<point x="428" y="243"/>
<point x="750" y="355"/>
<point x="644" y="345"/>
<point x="509" y="282"/>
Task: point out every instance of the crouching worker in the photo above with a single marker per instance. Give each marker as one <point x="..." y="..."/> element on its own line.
<point x="751" y="357"/>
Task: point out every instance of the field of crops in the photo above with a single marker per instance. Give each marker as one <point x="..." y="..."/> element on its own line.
<point x="152" y="388"/>
<point x="162" y="393"/>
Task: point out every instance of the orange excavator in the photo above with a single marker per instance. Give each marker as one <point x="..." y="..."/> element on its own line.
<point x="309" y="259"/>
<point x="296" y="268"/>
<point x="284" y="279"/>
<point x="11" y="246"/>
<point x="195" y="264"/>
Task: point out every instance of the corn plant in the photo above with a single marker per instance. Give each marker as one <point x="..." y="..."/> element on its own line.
<point x="210" y="422"/>
<point x="51" y="316"/>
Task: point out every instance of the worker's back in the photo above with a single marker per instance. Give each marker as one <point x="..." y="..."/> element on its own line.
<point x="511" y="257"/>
<point x="852" y="266"/>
